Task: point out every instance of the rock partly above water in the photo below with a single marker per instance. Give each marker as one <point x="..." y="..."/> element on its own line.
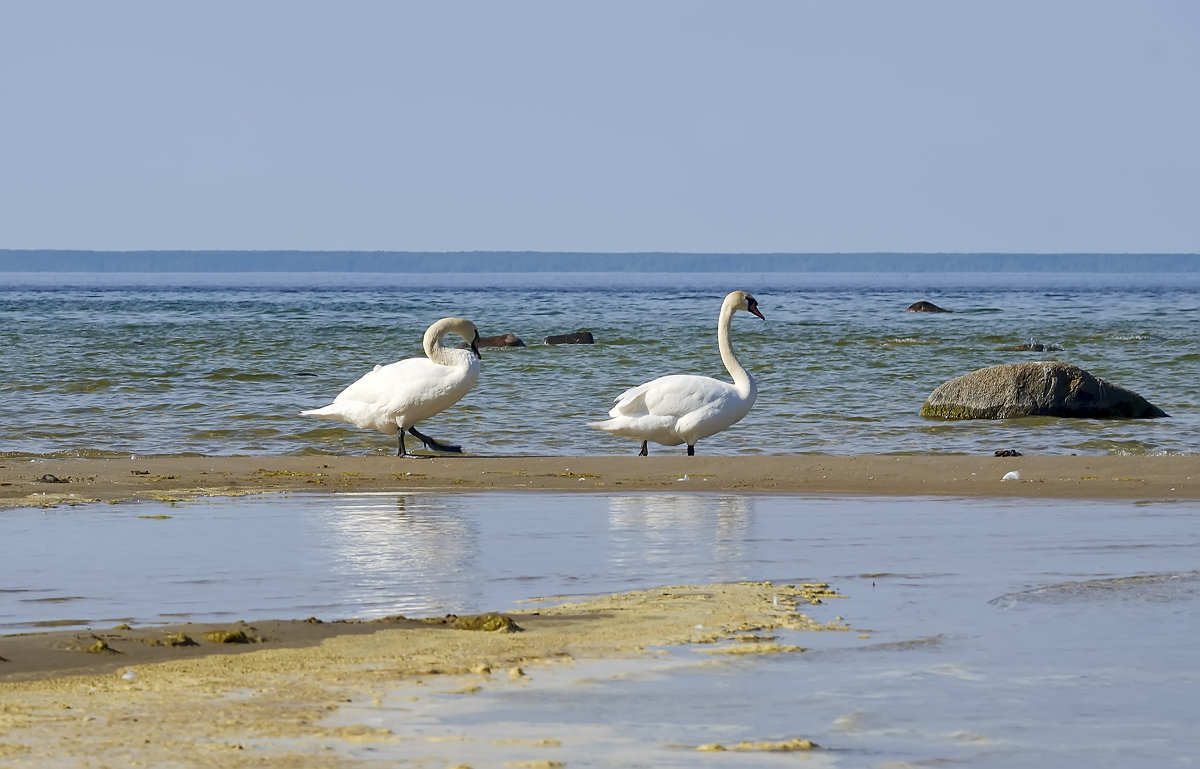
<point x="923" y="306"/>
<point x="499" y="340"/>
<point x="1044" y="388"/>
<point x="579" y="337"/>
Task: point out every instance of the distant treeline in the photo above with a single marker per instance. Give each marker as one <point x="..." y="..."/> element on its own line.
<point x="538" y="261"/>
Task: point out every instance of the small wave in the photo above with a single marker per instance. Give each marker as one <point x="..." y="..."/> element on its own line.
<point x="1032" y="346"/>
<point x="1151" y="453"/>
<point x="66" y="454"/>
<point x="1140" y="587"/>
<point x="1114" y="447"/>
<point x="93" y="454"/>
<point x="238" y="375"/>
<point x="87" y="385"/>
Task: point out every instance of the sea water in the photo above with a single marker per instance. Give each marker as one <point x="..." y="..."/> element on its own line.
<point x="97" y="365"/>
<point x="984" y="632"/>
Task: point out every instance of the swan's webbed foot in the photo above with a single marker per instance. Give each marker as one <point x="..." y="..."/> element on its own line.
<point x="645" y="452"/>
<point x="691" y="449"/>
<point x="436" y="445"/>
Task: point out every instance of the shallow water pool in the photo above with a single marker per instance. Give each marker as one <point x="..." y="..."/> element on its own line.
<point x="987" y="632"/>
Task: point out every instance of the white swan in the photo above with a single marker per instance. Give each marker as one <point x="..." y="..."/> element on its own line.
<point x="683" y="408"/>
<point x="395" y="397"/>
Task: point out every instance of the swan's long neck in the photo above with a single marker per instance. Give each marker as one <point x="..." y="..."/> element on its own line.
<point x="440" y="353"/>
<point x="742" y="381"/>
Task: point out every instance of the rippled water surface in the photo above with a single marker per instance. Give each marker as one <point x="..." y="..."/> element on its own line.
<point x="107" y="365"/>
<point x="986" y="632"/>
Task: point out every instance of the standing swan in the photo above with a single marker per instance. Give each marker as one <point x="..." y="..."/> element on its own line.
<point x="683" y="408"/>
<point x="393" y="398"/>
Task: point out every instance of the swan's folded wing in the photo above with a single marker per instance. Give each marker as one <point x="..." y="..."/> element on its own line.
<point x="674" y="395"/>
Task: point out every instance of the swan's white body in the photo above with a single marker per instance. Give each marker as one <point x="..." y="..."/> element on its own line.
<point x="395" y="397"/>
<point x="683" y="408"/>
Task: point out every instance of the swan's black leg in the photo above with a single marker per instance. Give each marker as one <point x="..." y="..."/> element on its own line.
<point x="433" y="444"/>
<point x="691" y="449"/>
<point x="400" y="452"/>
<point x="645" y="452"/>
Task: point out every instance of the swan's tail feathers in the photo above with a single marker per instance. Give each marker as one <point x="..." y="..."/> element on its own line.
<point x="656" y="428"/>
<point x="325" y="412"/>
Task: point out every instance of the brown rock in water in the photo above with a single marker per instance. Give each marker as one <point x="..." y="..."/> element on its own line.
<point x="923" y="306"/>
<point x="499" y="340"/>
<point x="1044" y="388"/>
<point x="579" y="337"/>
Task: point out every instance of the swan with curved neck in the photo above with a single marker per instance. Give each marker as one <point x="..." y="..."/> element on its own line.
<point x="683" y="408"/>
<point x="395" y="397"/>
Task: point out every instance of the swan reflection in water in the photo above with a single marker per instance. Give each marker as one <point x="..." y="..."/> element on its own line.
<point x="661" y="529"/>
<point x="401" y="554"/>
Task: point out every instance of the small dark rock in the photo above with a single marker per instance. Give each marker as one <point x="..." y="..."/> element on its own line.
<point x="923" y="306"/>
<point x="48" y="478"/>
<point x="499" y="340"/>
<point x="579" y="337"/>
<point x="1007" y="453"/>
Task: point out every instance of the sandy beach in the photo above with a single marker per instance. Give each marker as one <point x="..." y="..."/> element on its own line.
<point x="188" y="696"/>
<point x="77" y="481"/>
<point x="260" y="694"/>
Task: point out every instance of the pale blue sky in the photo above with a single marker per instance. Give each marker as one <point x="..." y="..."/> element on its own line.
<point x="1040" y="126"/>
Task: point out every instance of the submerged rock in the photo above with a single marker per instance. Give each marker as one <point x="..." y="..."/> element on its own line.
<point x="1044" y="388"/>
<point x="923" y="306"/>
<point x="579" y="337"/>
<point x="499" y="340"/>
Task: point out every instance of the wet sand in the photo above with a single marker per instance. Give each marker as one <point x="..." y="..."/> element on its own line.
<point x="26" y="483"/>
<point x="204" y="705"/>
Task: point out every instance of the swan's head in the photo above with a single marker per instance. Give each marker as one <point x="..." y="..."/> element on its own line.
<point x="743" y="301"/>
<point x="460" y="326"/>
<point x="468" y="332"/>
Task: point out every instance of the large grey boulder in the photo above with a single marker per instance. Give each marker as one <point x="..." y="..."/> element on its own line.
<point x="1044" y="388"/>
